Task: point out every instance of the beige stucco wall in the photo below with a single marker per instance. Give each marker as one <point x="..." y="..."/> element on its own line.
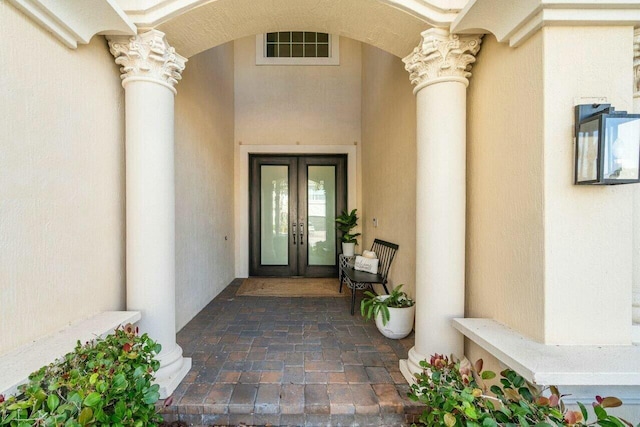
<point x="505" y="200"/>
<point x="61" y="181"/>
<point x="294" y="109"/>
<point x="309" y="105"/>
<point x="204" y="180"/>
<point x="588" y="229"/>
<point x="543" y="253"/>
<point x="389" y="160"/>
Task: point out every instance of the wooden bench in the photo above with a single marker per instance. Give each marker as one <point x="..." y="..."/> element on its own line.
<point x="17" y="365"/>
<point x="360" y="280"/>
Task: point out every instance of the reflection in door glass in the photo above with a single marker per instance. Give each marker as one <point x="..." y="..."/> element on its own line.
<point x="321" y="210"/>
<point x="274" y="208"/>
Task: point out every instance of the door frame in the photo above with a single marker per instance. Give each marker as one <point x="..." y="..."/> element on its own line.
<point x="241" y="184"/>
<point x="298" y="242"/>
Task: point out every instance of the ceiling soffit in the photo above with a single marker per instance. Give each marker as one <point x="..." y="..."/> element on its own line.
<point x="75" y="22"/>
<point x="515" y="21"/>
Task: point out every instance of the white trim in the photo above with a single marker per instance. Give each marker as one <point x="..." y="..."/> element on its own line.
<point x="333" y="59"/>
<point x="241" y="224"/>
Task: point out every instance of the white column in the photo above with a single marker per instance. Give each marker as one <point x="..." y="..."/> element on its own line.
<point x="636" y="199"/>
<point x="439" y="67"/>
<point x="150" y="70"/>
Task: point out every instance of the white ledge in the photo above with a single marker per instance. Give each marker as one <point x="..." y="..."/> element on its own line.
<point x="554" y="364"/>
<point x="16" y="366"/>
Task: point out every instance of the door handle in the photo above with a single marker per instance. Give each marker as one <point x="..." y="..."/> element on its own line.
<point x="302" y="233"/>
<point x="293" y="226"/>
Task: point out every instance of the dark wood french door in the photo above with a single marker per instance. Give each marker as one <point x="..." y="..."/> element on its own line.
<point x="293" y="204"/>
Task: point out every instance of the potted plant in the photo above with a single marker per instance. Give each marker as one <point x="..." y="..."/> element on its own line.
<point x="394" y="313"/>
<point x="345" y="223"/>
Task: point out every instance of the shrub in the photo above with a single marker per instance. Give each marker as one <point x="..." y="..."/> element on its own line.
<point x="104" y="382"/>
<point x="455" y="395"/>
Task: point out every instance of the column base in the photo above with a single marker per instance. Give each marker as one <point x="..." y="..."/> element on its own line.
<point x="173" y="369"/>
<point x="411" y="365"/>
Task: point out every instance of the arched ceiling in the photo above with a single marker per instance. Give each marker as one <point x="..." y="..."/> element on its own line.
<point x="391" y="25"/>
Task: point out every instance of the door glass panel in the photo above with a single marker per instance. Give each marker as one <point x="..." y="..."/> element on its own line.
<point x="274" y="204"/>
<point x="321" y="209"/>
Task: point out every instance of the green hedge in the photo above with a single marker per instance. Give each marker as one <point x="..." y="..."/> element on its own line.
<point x="456" y="395"/>
<point x="104" y="382"/>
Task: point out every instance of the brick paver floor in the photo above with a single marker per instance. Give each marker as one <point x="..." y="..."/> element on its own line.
<point x="289" y="361"/>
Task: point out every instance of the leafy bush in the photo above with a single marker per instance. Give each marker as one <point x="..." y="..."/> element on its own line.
<point x="104" y="382"/>
<point x="455" y="395"/>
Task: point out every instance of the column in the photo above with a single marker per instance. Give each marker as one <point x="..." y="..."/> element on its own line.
<point x="150" y="70"/>
<point x="439" y="67"/>
<point x="636" y="198"/>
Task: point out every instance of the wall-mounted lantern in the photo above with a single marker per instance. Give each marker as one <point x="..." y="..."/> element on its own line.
<point x="607" y="145"/>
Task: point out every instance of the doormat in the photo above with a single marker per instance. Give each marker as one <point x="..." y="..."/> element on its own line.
<point x="288" y="287"/>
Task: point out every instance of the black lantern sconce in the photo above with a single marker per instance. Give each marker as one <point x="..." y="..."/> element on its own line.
<point x="607" y="145"/>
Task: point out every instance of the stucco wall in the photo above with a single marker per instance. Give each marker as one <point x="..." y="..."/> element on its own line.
<point x="61" y="181"/>
<point x="389" y="160"/>
<point x="204" y="180"/>
<point x="309" y="105"/>
<point x="588" y="229"/>
<point x="543" y="253"/>
<point x="505" y="200"/>
<point x="303" y="109"/>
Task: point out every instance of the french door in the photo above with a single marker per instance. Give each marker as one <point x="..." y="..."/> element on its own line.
<point x="293" y="205"/>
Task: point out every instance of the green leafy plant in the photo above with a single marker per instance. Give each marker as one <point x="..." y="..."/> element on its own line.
<point x="347" y="222"/>
<point x="456" y="395"/>
<point x="372" y="304"/>
<point x="104" y="382"/>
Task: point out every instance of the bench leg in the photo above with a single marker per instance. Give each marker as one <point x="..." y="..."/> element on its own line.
<point x="353" y="300"/>
<point x="341" y="280"/>
<point x="384" y="285"/>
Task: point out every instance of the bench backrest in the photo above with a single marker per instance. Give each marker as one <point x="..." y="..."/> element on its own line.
<point x="386" y="252"/>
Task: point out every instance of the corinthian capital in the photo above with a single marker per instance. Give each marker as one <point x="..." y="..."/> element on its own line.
<point x="636" y="63"/>
<point x="147" y="56"/>
<point x="442" y="56"/>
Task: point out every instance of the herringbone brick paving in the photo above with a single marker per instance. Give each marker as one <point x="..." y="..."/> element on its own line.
<point x="289" y="361"/>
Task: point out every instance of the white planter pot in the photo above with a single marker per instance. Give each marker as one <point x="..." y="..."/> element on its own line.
<point x="348" y="249"/>
<point x="400" y="321"/>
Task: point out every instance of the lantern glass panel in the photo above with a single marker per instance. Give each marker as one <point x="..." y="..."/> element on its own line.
<point x="587" y="141"/>
<point x="621" y="148"/>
